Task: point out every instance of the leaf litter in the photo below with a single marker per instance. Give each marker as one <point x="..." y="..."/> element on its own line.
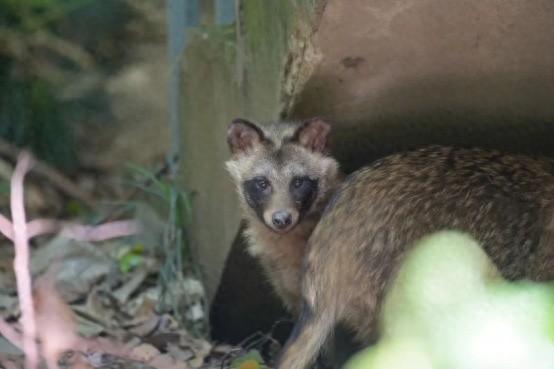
<point x="98" y="305"/>
<point x="105" y="318"/>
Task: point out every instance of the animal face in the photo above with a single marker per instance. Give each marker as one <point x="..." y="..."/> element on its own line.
<point x="282" y="171"/>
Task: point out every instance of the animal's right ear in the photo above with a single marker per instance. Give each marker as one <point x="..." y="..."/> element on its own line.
<point x="243" y="136"/>
<point x="313" y="134"/>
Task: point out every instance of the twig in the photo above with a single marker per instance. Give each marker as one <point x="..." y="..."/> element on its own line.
<point x="21" y="262"/>
<point x="19" y="231"/>
<point x="80" y="232"/>
<point x="74" y="231"/>
<point x="58" y="179"/>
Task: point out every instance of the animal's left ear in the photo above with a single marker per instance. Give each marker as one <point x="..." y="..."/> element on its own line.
<point x="243" y="136"/>
<point x="313" y="135"/>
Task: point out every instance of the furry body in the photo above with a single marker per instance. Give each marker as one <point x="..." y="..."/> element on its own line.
<point x="504" y="201"/>
<point x="284" y="178"/>
<point x="281" y="257"/>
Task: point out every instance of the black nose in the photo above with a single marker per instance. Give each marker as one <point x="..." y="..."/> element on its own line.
<point x="281" y="219"/>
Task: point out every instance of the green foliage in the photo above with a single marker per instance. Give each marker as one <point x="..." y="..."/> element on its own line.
<point x="449" y="309"/>
<point x="131" y="257"/>
<point x="31" y="15"/>
<point x="251" y="360"/>
<point x="75" y="209"/>
<point x="4" y="188"/>
<point x="31" y="117"/>
<point x="178" y="258"/>
<point x="166" y="192"/>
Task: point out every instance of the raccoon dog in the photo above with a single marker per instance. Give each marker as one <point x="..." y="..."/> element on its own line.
<point x="284" y="176"/>
<point x="504" y="201"/>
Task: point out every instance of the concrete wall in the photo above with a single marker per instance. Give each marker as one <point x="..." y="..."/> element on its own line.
<point x="398" y="73"/>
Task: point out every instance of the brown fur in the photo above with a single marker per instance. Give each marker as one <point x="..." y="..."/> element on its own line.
<point x="279" y="152"/>
<point x="281" y="257"/>
<point x="504" y="201"/>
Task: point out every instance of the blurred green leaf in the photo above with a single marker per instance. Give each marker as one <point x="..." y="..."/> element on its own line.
<point x="251" y="360"/>
<point x="131" y="257"/>
<point x="449" y="309"/>
<point x="129" y="262"/>
<point x="30" y="116"/>
<point x="161" y="188"/>
<point x="30" y="15"/>
<point x="75" y="209"/>
<point x="403" y="353"/>
<point x="4" y="188"/>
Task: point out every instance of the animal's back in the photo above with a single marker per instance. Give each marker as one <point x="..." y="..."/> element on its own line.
<point x="504" y="201"/>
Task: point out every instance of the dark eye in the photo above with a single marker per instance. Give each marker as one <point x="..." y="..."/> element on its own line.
<point x="298" y="182"/>
<point x="303" y="190"/>
<point x="262" y="183"/>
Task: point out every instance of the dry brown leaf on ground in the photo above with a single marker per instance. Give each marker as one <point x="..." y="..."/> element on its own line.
<point x="166" y="361"/>
<point x="181" y="354"/>
<point x="87" y="325"/>
<point x="145" y="328"/>
<point x="81" y="265"/>
<point x="98" y="306"/>
<point x="145" y="352"/>
<point x="80" y="363"/>
<point x="123" y="293"/>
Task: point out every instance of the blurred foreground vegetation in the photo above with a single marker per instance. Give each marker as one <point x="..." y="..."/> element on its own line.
<point x="449" y="309"/>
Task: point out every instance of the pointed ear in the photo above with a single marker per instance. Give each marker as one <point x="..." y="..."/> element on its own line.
<point x="243" y="136"/>
<point x="313" y="135"/>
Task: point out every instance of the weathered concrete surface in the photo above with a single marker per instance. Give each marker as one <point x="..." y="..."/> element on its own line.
<point x="398" y="73"/>
<point x="389" y="74"/>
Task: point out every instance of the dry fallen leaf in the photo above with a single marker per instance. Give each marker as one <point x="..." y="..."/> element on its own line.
<point x="122" y="294"/>
<point x="166" y="361"/>
<point x="179" y="353"/>
<point x="145" y="352"/>
<point x="146" y="328"/>
<point x="81" y="365"/>
<point x="77" y="361"/>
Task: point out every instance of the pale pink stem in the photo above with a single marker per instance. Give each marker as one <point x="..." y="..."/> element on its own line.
<point x="21" y="261"/>
<point x="6" y="227"/>
<point x="20" y="232"/>
<point x="102" y="232"/>
<point x="81" y="232"/>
